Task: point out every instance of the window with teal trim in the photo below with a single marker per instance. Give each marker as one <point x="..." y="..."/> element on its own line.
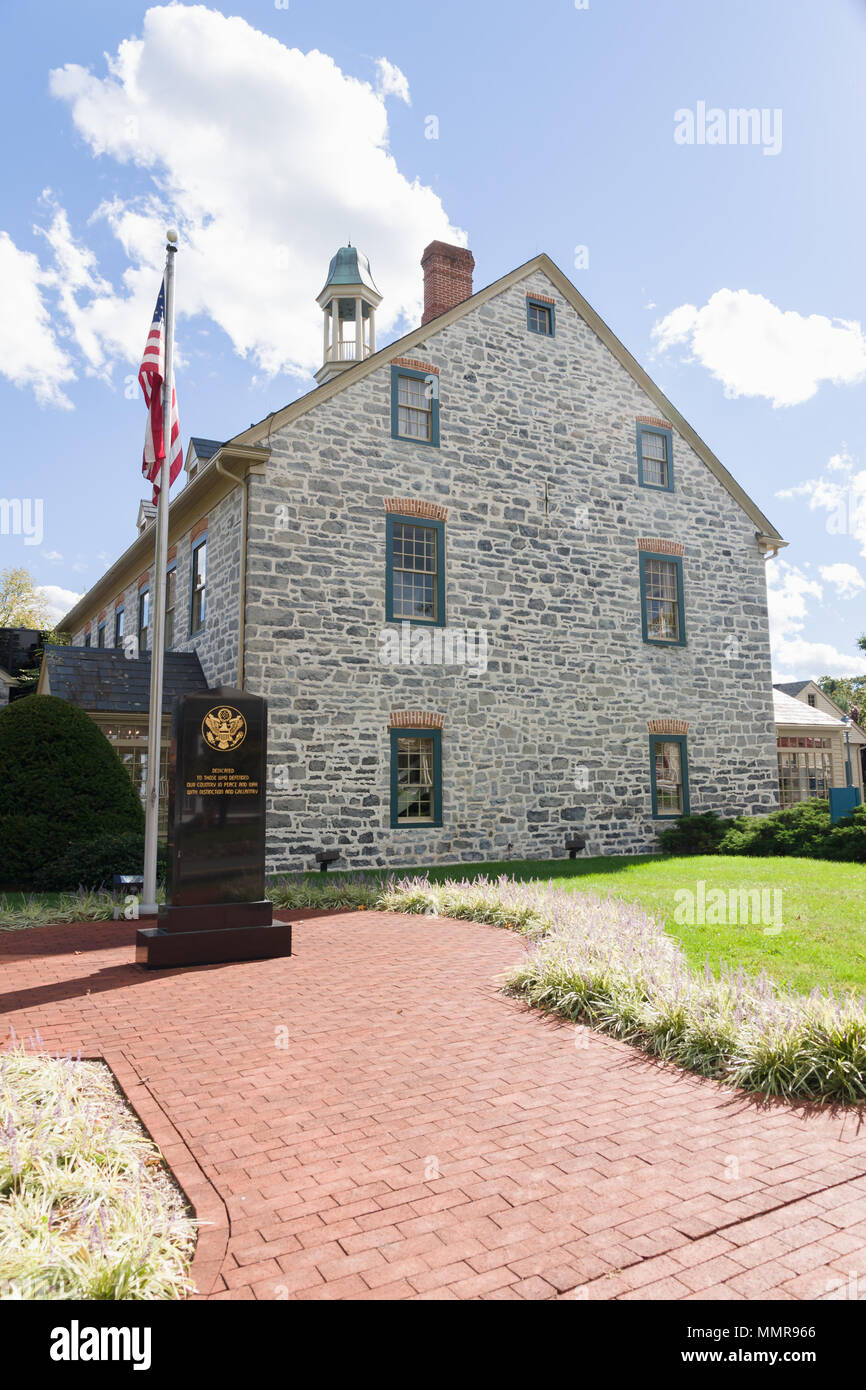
<point x="100" y="635"/>
<point x="669" y="771"/>
<point x="415" y="573"/>
<point x="540" y="317"/>
<point x="118" y="627"/>
<point x="415" y="406"/>
<point x="143" y="619"/>
<point x="655" y="454"/>
<point x="416" y="778"/>
<point x="87" y="639"/>
<point x="198" y="586"/>
<point x="661" y="593"/>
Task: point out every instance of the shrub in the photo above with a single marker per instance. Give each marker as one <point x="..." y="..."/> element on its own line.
<point x="799" y="830"/>
<point x="62" y="782"/>
<point x="697" y="834"/>
<point x="93" y="863"/>
<point x="847" y="838"/>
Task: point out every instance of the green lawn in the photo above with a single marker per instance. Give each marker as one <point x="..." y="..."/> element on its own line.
<point x="823" y="939"/>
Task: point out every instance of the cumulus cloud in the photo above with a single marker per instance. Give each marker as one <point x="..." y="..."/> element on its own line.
<point x="789" y="590"/>
<point x="840" y="492"/>
<point x="268" y="159"/>
<point x="755" y="348"/>
<point x="846" y="579"/>
<point x="391" y="82"/>
<point x="59" y="601"/>
<point x="31" y="354"/>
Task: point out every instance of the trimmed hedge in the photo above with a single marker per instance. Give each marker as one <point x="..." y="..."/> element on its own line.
<point x="697" y="834"/>
<point x="61" y="782"/>
<point x="93" y="863"/>
<point x="803" y="831"/>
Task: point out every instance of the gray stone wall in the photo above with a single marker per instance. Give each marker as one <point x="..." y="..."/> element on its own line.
<point x="217" y="643"/>
<point x="538" y="470"/>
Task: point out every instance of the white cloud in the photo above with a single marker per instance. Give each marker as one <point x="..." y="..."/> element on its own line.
<point x="794" y="656"/>
<point x="756" y="349"/>
<point x="847" y="579"/>
<point x="30" y="354"/>
<point x="842" y="497"/>
<point x="53" y="555"/>
<point x="59" y="600"/>
<point x="269" y="159"/>
<point x="391" y="82"/>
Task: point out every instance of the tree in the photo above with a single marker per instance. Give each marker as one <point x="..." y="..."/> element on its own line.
<point x="20" y="604"/>
<point x="848" y="692"/>
<point x="62" y="783"/>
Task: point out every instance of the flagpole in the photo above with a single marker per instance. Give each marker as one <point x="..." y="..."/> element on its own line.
<point x="148" y="905"/>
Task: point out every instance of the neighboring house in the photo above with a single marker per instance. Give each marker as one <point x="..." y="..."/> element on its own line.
<point x="494" y="587"/>
<point x="811" y="741"/>
<point x="7" y="684"/>
<point x="115" y="692"/>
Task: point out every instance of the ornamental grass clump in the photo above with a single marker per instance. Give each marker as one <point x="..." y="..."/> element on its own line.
<point x="87" y="1210"/>
<point x="610" y="964"/>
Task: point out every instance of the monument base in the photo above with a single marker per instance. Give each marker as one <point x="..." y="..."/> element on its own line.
<point x="215" y="916"/>
<point x="155" y="947"/>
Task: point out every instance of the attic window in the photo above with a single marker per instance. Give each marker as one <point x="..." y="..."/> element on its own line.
<point x="811" y="699"/>
<point x="540" y="317"/>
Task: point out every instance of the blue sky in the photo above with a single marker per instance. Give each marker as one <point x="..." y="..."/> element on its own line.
<point x="733" y="272"/>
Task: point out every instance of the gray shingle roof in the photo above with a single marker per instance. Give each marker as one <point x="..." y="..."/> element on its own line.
<point x="791" y="687"/>
<point x="105" y="680"/>
<point x="205" y="448"/>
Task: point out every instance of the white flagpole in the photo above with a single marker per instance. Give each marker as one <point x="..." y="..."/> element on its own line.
<point x="148" y="905"/>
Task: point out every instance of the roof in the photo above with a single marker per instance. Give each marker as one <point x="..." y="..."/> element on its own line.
<point x="350" y="267"/>
<point x="403" y="347"/>
<point x="259" y="435"/>
<point x="787" y="710"/>
<point x="6" y="678"/>
<point x="792" y="687"/>
<point x="205" y="448"/>
<point x="99" y="680"/>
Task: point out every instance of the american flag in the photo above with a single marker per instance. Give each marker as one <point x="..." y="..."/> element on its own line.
<point x="150" y="377"/>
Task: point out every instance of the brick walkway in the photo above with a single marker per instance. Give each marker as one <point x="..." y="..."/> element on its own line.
<point x="422" y="1136"/>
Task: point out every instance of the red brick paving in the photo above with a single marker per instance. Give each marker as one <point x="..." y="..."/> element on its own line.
<point x="421" y="1136"/>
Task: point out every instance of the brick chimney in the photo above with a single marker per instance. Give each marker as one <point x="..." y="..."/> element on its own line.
<point x="447" y="277"/>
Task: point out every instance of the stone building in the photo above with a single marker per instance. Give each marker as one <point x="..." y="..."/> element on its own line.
<point x="494" y="587"/>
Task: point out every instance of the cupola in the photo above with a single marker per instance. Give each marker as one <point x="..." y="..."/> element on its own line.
<point x="348" y="302"/>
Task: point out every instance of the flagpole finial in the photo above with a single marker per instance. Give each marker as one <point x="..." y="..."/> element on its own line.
<point x="171" y="235"/>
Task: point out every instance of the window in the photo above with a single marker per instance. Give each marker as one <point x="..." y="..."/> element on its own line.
<point x="87" y="639"/>
<point x="100" y="635"/>
<point x="415" y="406"/>
<point x="670" y="778"/>
<point x="661" y="587"/>
<point x="199" y="586"/>
<point x="118" y="627"/>
<point x="416" y="777"/>
<point x="805" y="768"/>
<point x="811" y="699"/>
<point x="415" y="573"/>
<point x="655" y="457"/>
<point x="170" y="594"/>
<point x="540" y="317"/>
<point x="143" y="619"/>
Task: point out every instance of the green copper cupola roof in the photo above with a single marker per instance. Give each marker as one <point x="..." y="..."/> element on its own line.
<point x="350" y="267"/>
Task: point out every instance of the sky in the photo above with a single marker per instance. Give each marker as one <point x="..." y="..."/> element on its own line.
<point x="726" y="254"/>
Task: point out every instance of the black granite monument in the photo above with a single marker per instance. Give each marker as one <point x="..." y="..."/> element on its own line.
<point x="216" y="908"/>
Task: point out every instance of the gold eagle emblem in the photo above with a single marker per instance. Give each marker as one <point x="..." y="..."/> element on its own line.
<point x="224" y="728"/>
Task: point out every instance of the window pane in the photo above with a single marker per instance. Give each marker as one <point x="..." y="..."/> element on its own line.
<point x="654" y="453"/>
<point x="413" y="568"/>
<point x="661" y="596"/>
<point x="415" y="790"/>
<point x="669" y="778"/>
